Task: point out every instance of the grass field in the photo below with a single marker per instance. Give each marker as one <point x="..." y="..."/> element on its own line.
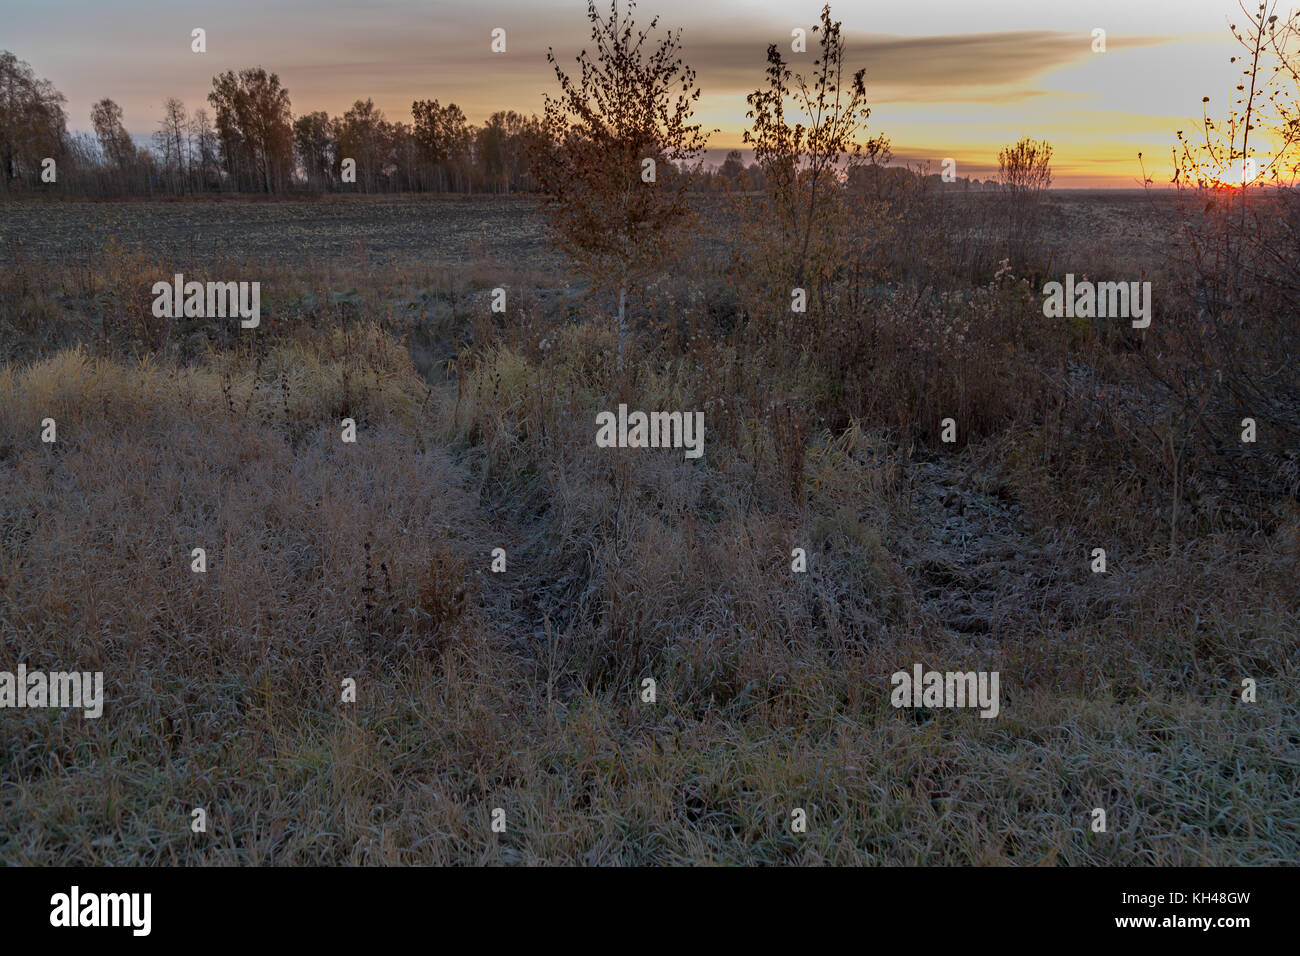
<point x="520" y="690"/>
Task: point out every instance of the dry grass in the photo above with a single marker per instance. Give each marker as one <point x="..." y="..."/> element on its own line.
<point x="519" y="690"/>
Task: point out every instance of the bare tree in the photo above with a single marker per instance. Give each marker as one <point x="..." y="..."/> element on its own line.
<point x="114" y="141"/>
<point x="171" y="140"/>
<point x="1026" y="166"/>
<point x="204" y="151"/>
<point x="807" y="134"/>
<point x="33" y="125"/>
<point x="1025" y="171"/>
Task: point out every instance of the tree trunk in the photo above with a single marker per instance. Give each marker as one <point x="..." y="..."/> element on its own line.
<point x="622" y="298"/>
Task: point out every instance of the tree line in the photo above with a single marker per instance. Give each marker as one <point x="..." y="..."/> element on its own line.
<point x="247" y="139"/>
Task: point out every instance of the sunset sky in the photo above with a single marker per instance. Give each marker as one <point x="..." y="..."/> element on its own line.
<point x="946" y="77"/>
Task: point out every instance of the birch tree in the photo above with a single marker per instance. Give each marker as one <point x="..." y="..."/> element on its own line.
<point x="610" y="194"/>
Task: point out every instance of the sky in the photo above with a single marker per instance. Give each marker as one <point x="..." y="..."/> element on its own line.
<point x="945" y="78"/>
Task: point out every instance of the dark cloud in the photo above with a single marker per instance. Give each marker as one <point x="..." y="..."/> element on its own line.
<point x="932" y="68"/>
<point x="984" y="67"/>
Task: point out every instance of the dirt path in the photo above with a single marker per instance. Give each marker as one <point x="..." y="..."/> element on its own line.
<point x="977" y="563"/>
